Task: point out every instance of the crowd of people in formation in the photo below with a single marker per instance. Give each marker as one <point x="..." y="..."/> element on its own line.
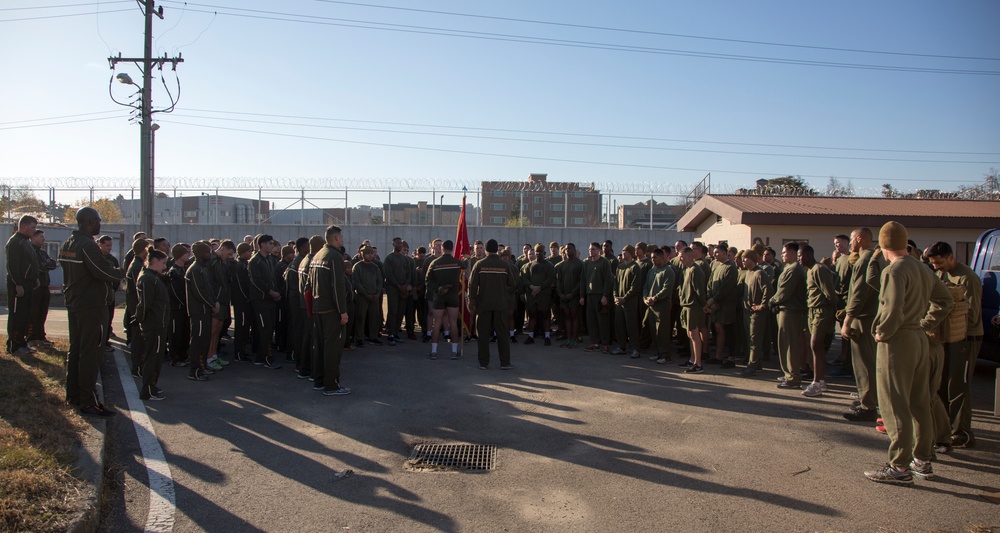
<point x="910" y="319"/>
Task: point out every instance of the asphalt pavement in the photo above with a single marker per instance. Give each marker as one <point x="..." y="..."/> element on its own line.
<point x="586" y="442"/>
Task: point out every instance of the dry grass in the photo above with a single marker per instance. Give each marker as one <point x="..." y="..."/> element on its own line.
<point x="39" y="439"/>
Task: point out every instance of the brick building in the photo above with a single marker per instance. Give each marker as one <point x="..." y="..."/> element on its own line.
<point x="637" y="215"/>
<point x="540" y="202"/>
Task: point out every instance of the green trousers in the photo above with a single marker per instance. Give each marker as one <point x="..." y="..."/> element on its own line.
<point x="627" y="324"/>
<point x="902" y="371"/>
<point x="939" y="413"/>
<point x="658" y="320"/>
<point x="863" y="360"/>
<point x="598" y="321"/>
<point x="83" y="361"/>
<point x="758" y="335"/>
<point x="960" y="363"/>
<point x="791" y="325"/>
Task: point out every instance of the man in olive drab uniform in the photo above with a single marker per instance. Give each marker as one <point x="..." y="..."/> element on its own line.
<point x="842" y="266"/>
<point x="721" y="306"/>
<point x="397" y="289"/>
<point x="596" y="287"/>
<point x="568" y="274"/>
<point x="683" y="344"/>
<point x="555" y="257"/>
<point x="645" y="263"/>
<point x="40" y="297"/>
<point x="201" y="305"/>
<point x="821" y="299"/>
<point x="328" y="285"/>
<point x="773" y="268"/>
<point x="105" y="242"/>
<point x="862" y="303"/>
<point x="263" y="296"/>
<point x="22" y="279"/>
<point x="537" y="282"/>
<point x="960" y="357"/>
<point x="693" y="299"/>
<point x="180" y="325"/>
<point x="442" y="281"/>
<point x="911" y="301"/>
<point x="420" y="261"/>
<point x="367" y="281"/>
<point x="789" y="301"/>
<point x="410" y="307"/>
<point x="86" y="275"/>
<point x="489" y="284"/>
<point x="519" y="311"/>
<point x="758" y="292"/>
<point x="658" y="295"/>
<point x="627" y="292"/>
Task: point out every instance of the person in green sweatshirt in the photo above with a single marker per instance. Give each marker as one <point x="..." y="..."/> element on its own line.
<point x="367" y="280"/>
<point x="789" y="301"/>
<point x="657" y="295"/>
<point x="596" y="287"/>
<point x="627" y="292"/>
<point x="821" y="299"/>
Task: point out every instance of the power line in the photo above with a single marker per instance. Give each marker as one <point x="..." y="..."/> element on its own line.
<point x="59" y="117"/>
<point x="88" y="4"/>
<point x="446" y="32"/>
<point x="536" y="158"/>
<point x="657" y="33"/>
<point x="601" y="145"/>
<point x="25" y="126"/>
<point x="46" y="17"/>
<point x="591" y="135"/>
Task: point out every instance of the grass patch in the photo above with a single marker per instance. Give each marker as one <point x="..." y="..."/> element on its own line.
<point x="39" y="440"/>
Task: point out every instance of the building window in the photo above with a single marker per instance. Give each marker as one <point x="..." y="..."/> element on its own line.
<point x="964" y="251"/>
<point x="577" y="221"/>
<point x="557" y="194"/>
<point x="499" y="194"/>
<point x="498" y="207"/>
<point x="579" y="207"/>
<point x="579" y="194"/>
<point x="555" y="207"/>
<point x="497" y="220"/>
<point x="538" y="213"/>
<point x="556" y="220"/>
<point x="537" y="199"/>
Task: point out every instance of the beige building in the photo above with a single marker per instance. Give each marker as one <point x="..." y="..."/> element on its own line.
<point x="774" y="220"/>
<point x="541" y="203"/>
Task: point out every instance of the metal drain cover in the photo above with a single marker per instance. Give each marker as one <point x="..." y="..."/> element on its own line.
<point x="452" y="458"/>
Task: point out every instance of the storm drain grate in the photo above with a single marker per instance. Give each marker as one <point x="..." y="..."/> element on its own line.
<point x="452" y="457"/>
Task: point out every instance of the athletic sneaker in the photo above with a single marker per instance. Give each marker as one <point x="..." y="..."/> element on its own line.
<point x="97" y="410"/>
<point x="548" y="341"/>
<point x="197" y="375"/>
<point x="506" y="367"/>
<point x="179" y="364"/>
<point x="942" y="448"/>
<point x="891" y="475"/>
<point x="662" y="360"/>
<point x="343" y="391"/>
<point x="222" y="361"/>
<point x="155" y="394"/>
<point x="861" y="415"/>
<point x="729" y="363"/>
<point x="455" y="356"/>
<point x="136" y="372"/>
<point x="963" y="439"/>
<point x="816" y="388"/>
<point x="432" y="356"/>
<point x="749" y="371"/>
<point x="242" y="357"/>
<point x="207" y="371"/>
<point x="392" y="342"/>
<point x="513" y="339"/>
<point x="215" y="365"/>
<point x="482" y="367"/>
<point x="686" y="364"/>
<point x="619" y="351"/>
<point x="592" y="348"/>
<point x="634" y="355"/>
<point x="23" y="351"/>
<point x="694" y="369"/>
<point x="654" y="357"/>
<point x="529" y="340"/>
<point x="921" y="469"/>
<point x="271" y="364"/>
<point x="318" y="386"/>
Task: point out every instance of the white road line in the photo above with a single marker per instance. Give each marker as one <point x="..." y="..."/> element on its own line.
<point x="162" y="501"/>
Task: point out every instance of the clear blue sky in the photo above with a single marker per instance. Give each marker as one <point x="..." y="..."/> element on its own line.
<point x="674" y="118"/>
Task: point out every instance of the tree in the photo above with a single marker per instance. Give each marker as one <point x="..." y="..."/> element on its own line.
<point x="835" y="188"/>
<point x="791" y="185"/>
<point x="888" y="191"/>
<point x="517" y="221"/>
<point x="161" y="195"/>
<point x="106" y="207"/>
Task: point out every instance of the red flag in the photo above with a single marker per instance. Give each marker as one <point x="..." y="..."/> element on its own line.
<point x="462" y="249"/>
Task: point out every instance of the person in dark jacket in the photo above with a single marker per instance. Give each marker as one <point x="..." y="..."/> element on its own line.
<point x="180" y="326"/>
<point x="201" y="305"/>
<point x="218" y="265"/>
<point x="22" y="279"/>
<point x="105" y="242"/>
<point x="491" y="281"/>
<point x="263" y="299"/>
<point x="137" y="348"/>
<point x="40" y="296"/>
<point x="86" y="275"/>
<point x="153" y="313"/>
<point x="239" y="279"/>
<point x="126" y="263"/>
<point x="329" y="290"/>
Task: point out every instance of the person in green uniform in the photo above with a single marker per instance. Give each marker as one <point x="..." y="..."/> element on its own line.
<point x="842" y="266"/>
<point x="513" y="296"/>
<point x="153" y="313"/>
<point x="329" y="296"/>
<point x="537" y="282"/>
<point x="683" y="344"/>
<point x="568" y="274"/>
<point x="367" y="281"/>
<point x="908" y="306"/>
<point x="721" y="306"/>
<point x="821" y="299"/>
<point x="862" y="303"/>
<point x="644" y="261"/>
<point x="490" y="283"/>
<point x="397" y="288"/>
<point x="596" y="286"/>
<point x="627" y="293"/>
<point x="789" y="302"/>
<point x="40" y="297"/>
<point x="960" y="357"/>
<point x="555" y="309"/>
<point x="658" y="295"/>
<point x="23" y="275"/>
<point x="443" y="282"/>
<point x="86" y="275"/>
<point x="758" y="292"/>
<point x="693" y="299"/>
<point x="263" y="296"/>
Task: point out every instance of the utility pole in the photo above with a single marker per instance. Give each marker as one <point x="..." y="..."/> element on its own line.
<point x="146" y="148"/>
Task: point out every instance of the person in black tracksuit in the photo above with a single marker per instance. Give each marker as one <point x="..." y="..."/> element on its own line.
<point x="239" y="279"/>
<point x="105" y="242"/>
<point x="22" y="279"/>
<point x="180" y="326"/>
<point x="263" y="300"/>
<point x="201" y="306"/>
<point x="153" y="313"/>
<point x="40" y="296"/>
<point x="137" y="348"/>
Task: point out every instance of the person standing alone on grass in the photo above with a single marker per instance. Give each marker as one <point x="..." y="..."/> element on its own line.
<point x="86" y="275"/>
<point x="22" y="279"/>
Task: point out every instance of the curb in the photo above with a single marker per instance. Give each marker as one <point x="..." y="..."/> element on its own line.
<point x="89" y="468"/>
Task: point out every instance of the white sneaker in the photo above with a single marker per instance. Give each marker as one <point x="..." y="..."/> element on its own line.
<point x="816" y="388"/>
